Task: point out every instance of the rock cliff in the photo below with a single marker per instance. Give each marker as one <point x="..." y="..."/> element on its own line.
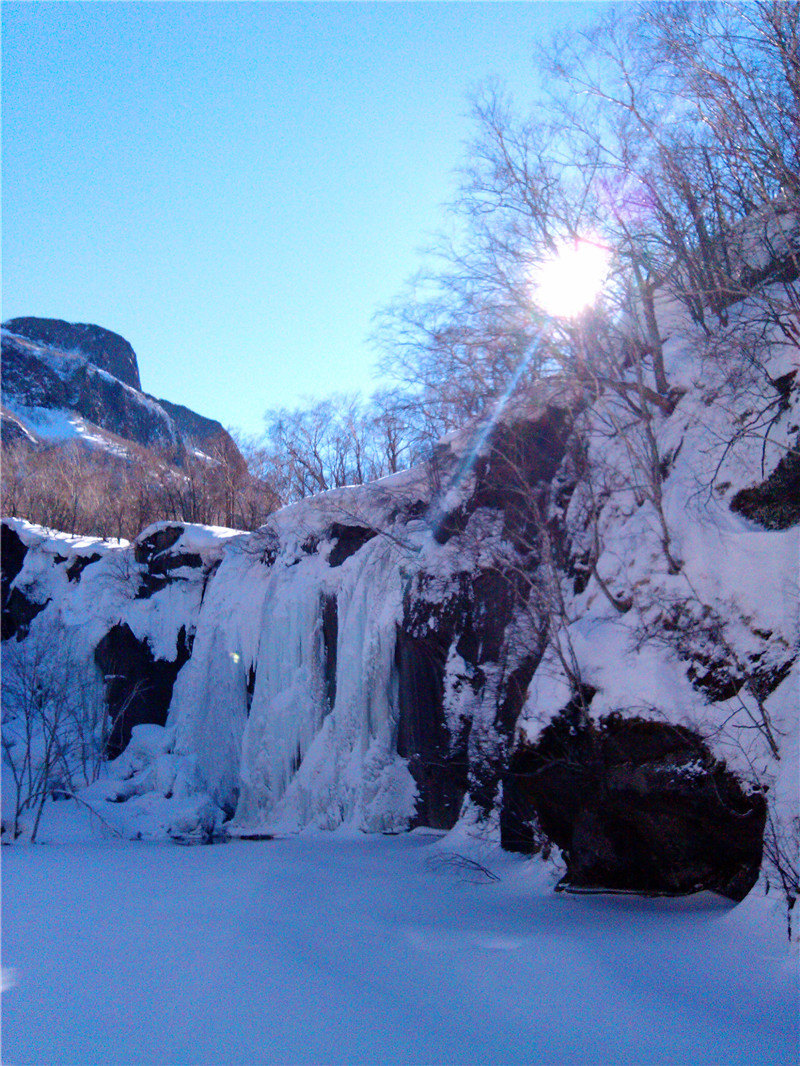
<point x="101" y="347"/>
<point x="536" y="634"/>
<point x="64" y="381"/>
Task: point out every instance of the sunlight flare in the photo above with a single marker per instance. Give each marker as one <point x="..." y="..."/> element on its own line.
<point x="571" y="279"/>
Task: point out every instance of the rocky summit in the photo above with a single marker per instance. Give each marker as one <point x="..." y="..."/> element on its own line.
<point x="101" y="347"/>
<point x="80" y="382"/>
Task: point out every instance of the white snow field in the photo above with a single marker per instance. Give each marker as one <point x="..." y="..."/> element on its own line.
<point x="328" y="948"/>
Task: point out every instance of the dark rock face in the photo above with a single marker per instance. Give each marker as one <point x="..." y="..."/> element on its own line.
<point x="250" y="688"/>
<point x="524" y="455"/>
<point x="79" y="564"/>
<point x="349" y="539"/>
<point x="106" y="402"/>
<point x="473" y="620"/>
<point x="206" y="434"/>
<point x="155" y="552"/>
<point x="635" y="805"/>
<point x="18" y="613"/>
<point x="330" y="636"/>
<point x="719" y="679"/>
<point x="523" y="458"/>
<point x="775" y="503"/>
<point x="31" y="382"/>
<point x="101" y="347"/>
<point x="437" y="759"/>
<point x="147" y="548"/>
<point x="17" y="610"/>
<point x="12" y="556"/>
<point x="138" y="687"/>
<point x="437" y="755"/>
<point x="445" y="756"/>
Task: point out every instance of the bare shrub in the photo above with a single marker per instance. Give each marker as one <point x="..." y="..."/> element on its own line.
<point x="782" y="860"/>
<point x="461" y="868"/>
<point x="55" y="723"/>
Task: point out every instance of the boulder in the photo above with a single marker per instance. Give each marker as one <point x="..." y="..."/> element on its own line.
<point x="634" y="804"/>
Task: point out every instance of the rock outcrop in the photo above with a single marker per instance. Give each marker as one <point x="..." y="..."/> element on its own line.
<point x="101" y="347"/>
<point x="634" y="804"/>
<point x="498" y="638"/>
<point x="64" y="381"/>
<point x="138" y="686"/>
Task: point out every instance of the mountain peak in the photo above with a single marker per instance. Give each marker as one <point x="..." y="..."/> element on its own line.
<point x="100" y="346"/>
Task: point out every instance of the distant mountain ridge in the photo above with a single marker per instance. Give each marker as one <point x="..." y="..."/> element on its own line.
<point x="78" y="381"/>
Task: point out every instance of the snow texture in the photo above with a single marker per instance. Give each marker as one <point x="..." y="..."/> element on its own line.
<point x="336" y="949"/>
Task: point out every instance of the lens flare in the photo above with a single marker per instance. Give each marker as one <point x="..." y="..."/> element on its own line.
<point x="571" y="280"/>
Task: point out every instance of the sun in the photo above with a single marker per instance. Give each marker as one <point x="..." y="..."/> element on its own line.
<point x="571" y="279"/>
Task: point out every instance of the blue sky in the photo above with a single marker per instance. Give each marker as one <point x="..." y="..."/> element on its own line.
<point x="237" y="188"/>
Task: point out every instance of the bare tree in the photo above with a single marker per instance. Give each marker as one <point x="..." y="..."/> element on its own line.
<point x="782" y="859"/>
<point x="55" y="723"/>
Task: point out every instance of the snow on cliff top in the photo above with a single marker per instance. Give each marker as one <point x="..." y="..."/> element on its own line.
<point x="53" y="542"/>
<point x="194" y="537"/>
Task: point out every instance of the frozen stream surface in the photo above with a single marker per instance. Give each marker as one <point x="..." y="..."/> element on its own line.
<point x="334" y="949"/>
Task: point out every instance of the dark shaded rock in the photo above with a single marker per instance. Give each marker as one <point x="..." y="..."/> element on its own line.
<point x="512" y="477"/>
<point x="79" y="564"/>
<point x="138" y="686"/>
<point x="107" y="403"/>
<point x="12" y="556"/>
<point x="775" y="503"/>
<point x="310" y="545"/>
<point x="150" y="584"/>
<point x="205" y="434"/>
<point x="412" y="510"/>
<point x="250" y="688"/>
<point x="330" y="636"/>
<point x="451" y="524"/>
<point x="634" y="804"/>
<point x="719" y="679"/>
<point x="437" y="761"/>
<point x="154" y="552"/>
<point x="29" y="381"/>
<point x="168" y="561"/>
<point x="472" y="619"/>
<point x="713" y="667"/>
<point x="349" y="539"/>
<point x="101" y="347"/>
<point x="524" y="456"/>
<point x="161" y="540"/>
<point x="18" y="611"/>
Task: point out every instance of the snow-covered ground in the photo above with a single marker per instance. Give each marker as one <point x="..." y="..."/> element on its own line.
<point x="352" y="949"/>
